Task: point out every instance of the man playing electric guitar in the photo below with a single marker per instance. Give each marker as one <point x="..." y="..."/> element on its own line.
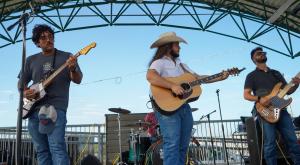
<point x="47" y="123"/>
<point x="260" y="83"/>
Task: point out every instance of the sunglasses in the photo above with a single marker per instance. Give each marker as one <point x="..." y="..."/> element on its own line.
<point x="261" y="53"/>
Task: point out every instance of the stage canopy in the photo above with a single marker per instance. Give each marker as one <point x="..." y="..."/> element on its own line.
<point x="246" y="20"/>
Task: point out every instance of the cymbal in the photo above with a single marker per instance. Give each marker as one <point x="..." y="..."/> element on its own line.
<point x="119" y="110"/>
<point x="194" y="109"/>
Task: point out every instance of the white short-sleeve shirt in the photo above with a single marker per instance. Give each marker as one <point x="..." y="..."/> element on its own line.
<point x="166" y="67"/>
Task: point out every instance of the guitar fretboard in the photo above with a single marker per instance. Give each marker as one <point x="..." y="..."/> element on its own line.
<point x="284" y="91"/>
<point x="54" y="74"/>
<point x="206" y="79"/>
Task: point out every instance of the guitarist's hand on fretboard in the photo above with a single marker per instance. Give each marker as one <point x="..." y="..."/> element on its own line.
<point x="296" y="80"/>
<point x="72" y="62"/>
<point x="225" y="75"/>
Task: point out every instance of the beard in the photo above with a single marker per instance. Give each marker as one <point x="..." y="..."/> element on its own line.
<point x="174" y="55"/>
<point x="264" y="60"/>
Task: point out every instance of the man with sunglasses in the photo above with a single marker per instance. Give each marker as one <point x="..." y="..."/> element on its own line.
<point x="259" y="83"/>
<point x="47" y="125"/>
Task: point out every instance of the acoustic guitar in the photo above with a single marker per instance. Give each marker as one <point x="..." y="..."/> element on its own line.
<point x="169" y="102"/>
<point x="39" y="88"/>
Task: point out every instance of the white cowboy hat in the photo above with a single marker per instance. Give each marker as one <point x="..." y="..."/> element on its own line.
<point x="165" y="38"/>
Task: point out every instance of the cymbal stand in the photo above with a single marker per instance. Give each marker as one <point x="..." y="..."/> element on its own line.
<point x="133" y="142"/>
<point x="120" y="144"/>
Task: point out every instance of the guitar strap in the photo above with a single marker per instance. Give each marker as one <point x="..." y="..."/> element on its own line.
<point x="53" y="61"/>
<point x="187" y="71"/>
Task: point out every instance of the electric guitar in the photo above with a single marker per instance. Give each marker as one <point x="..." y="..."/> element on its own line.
<point x="39" y="88"/>
<point x="271" y="113"/>
<point x="169" y="102"/>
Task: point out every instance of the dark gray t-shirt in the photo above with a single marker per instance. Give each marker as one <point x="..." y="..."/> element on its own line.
<point x="38" y="65"/>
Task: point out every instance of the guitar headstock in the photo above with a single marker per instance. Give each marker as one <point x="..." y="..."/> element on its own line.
<point x="235" y="71"/>
<point x="298" y="75"/>
<point x="86" y="49"/>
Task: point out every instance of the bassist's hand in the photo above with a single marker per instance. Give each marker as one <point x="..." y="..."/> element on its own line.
<point x="296" y="80"/>
<point x="177" y="89"/>
<point x="264" y="101"/>
<point x="30" y="94"/>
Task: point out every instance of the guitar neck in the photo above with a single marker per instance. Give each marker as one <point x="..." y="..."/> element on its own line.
<point x="206" y="79"/>
<point x="58" y="71"/>
<point x="284" y="91"/>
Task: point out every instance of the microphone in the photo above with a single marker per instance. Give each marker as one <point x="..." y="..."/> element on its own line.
<point x="34" y="8"/>
<point x="218" y="90"/>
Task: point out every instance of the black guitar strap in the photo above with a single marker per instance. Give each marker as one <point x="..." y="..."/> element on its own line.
<point x="53" y="61"/>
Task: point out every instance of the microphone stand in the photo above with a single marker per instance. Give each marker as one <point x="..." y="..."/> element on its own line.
<point x="222" y="126"/>
<point x="22" y="21"/>
<point x="211" y="139"/>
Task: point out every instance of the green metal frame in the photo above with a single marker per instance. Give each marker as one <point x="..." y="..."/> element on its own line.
<point x="186" y="14"/>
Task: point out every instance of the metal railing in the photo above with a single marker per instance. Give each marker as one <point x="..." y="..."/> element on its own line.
<point x="81" y="140"/>
<point x="86" y="139"/>
<point x="235" y="141"/>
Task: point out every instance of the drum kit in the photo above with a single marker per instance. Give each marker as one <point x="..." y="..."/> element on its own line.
<point x="141" y="149"/>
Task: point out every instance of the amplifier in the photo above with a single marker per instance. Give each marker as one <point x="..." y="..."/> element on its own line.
<point x="254" y="136"/>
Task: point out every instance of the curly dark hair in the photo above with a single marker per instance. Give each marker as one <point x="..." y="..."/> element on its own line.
<point x="38" y="30"/>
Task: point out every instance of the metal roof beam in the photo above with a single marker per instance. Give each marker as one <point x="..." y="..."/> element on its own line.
<point x="280" y="11"/>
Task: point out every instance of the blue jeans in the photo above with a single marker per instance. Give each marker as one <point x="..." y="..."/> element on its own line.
<point x="176" y="132"/>
<point x="50" y="148"/>
<point x="286" y="129"/>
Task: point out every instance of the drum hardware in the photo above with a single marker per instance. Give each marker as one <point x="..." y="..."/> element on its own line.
<point x="138" y="146"/>
<point x="141" y="124"/>
<point x="119" y="111"/>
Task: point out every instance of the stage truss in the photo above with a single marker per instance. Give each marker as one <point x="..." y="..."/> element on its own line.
<point x="252" y="21"/>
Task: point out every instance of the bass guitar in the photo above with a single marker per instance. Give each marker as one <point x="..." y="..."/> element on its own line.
<point x="169" y="102"/>
<point x="39" y="88"/>
<point x="271" y="113"/>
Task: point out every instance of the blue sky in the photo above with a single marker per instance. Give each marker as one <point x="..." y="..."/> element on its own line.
<point x="124" y="52"/>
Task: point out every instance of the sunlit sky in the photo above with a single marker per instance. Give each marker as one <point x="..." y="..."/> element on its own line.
<point x="115" y="72"/>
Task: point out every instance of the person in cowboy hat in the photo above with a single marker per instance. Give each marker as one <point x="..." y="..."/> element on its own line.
<point x="176" y="126"/>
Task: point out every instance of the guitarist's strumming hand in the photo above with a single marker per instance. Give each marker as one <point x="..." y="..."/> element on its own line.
<point x="30" y="94"/>
<point x="264" y="101"/>
<point x="177" y="89"/>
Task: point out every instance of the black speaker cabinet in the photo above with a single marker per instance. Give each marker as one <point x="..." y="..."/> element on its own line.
<point x="254" y="144"/>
